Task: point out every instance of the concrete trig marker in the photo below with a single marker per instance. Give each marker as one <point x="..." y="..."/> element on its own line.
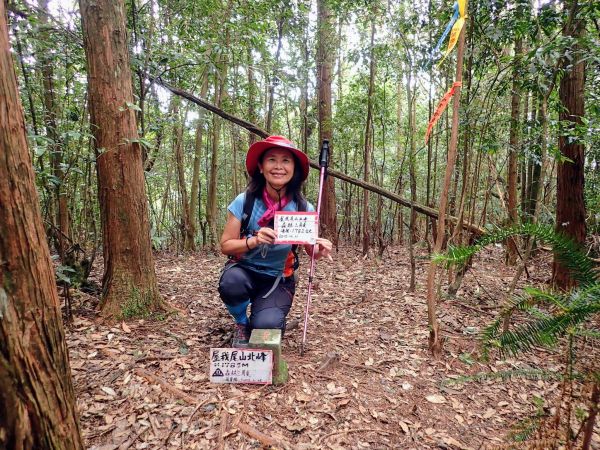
<point x="261" y="363"/>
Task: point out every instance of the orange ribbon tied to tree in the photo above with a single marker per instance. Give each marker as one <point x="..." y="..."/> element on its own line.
<point x="440" y="108"/>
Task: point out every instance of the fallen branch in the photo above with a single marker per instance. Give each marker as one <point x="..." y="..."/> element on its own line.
<point x="430" y="212"/>
<point x="354" y="430"/>
<point x="261" y="437"/>
<point x="155" y="379"/>
<point x="223" y="429"/>
<point x="332" y="358"/>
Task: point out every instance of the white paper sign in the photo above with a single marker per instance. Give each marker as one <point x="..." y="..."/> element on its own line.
<point x="296" y="227"/>
<point x="241" y="365"/>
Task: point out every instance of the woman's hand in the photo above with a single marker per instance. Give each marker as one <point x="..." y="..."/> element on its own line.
<point x="324" y="247"/>
<point x="266" y="235"/>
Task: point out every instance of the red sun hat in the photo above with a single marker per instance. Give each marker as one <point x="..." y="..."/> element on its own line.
<point x="258" y="148"/>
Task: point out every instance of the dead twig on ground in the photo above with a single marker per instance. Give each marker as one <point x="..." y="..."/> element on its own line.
<point x="155" y="379"/>
<point x="352" y="430"/>
<point x="261" y="437"/>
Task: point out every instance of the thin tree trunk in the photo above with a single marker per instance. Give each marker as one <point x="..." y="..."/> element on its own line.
<point x="411" y="95"/>
<point x="55" y="144"/>
<point x="435" y="340"/>
<point x="591" y="420"/>
<point x="325" y="55"/>
<point x="399" y="213"/>
<point x="195" y="199"/>
<point x="129" y="282"/>
<point x="542" y="114"/>
<point x="513" y="153"/>
<point x="252" y="117"/>
<point x="366" y="233"/>
<point x="187" y="230"/>
<point x="275" y="78"/>
<point x="37" y="401"/>
<point x="523" y="164"/>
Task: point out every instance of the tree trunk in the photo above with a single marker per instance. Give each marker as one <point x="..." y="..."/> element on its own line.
<point x="251" y="96"/>
<point x="366" y="232"/>
<point x="513" y="153"/>
<point x="129" y="282"/>
<point x="187" y="229"/>
<point x="211" y="211"/>
<point x="570" y="206"/>
<point x="195" y="191"/>
<point x="435" y="340"/>
<point x="325" y="55"/>
<point x="411" y="97"/>
<point x="274" y="78"/>
<point x="37" y="401"/>
<point x="55" y="145"/>
<point x="542" y="114"/>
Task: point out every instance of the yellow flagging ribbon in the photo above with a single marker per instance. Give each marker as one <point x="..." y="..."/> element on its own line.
<point x="456" y="29"/>
<point x="440" y="108"/>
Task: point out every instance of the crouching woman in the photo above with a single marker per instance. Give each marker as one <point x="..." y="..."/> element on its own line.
<point x="260" y="273"/>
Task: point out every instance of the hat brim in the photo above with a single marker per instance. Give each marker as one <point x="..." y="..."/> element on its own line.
<point x="257" y="149"/>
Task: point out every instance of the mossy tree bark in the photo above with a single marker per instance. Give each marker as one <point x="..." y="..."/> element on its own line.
<point x="37" y="402"/>
<point x="129" y="283"/>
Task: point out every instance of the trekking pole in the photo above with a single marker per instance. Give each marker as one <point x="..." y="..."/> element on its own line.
<point x="323" y="161"/>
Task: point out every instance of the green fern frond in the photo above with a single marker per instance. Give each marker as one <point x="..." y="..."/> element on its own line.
<point x="568" y="252"/>
<point x="592" y="334"/>
<point x="524" y="430"/>
<point x="544" y="332"/>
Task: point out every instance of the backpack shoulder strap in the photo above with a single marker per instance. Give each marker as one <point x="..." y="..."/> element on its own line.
<point x="302" y="205"/>
<point x="247" y="212"/>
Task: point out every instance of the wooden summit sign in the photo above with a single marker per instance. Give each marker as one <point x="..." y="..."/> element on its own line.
<point x="241" y="365"/>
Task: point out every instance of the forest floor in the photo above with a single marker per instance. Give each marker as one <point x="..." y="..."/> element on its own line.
<point x="145" y="383"/>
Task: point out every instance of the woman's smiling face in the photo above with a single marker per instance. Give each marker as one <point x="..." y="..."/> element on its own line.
<point x="277" y="165"/>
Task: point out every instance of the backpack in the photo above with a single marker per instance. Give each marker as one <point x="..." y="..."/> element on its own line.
<point x="247" y="212"/>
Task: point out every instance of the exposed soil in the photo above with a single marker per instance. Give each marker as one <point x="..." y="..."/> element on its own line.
<point x="366" y="381"/>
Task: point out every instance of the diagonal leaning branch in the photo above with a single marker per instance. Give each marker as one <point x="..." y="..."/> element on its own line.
<point x="430" y="212"/>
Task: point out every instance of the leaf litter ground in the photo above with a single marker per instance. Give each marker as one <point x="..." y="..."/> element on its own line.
<point x="365" y="381"/>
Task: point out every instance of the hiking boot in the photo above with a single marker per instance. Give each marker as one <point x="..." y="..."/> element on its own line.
<point x="241" y="335"/>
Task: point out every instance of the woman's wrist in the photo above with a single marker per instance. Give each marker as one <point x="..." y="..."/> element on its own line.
<point x="249" y="243"/>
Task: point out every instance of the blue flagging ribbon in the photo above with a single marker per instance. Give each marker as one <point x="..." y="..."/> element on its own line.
<point x="447" y="30"/>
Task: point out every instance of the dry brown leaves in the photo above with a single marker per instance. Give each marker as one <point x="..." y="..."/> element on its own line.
<point x="366" y="381"/>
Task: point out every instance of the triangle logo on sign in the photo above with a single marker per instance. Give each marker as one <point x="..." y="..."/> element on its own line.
<point x="218" y="373"/>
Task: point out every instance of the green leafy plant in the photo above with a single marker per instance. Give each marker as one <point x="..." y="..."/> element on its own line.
<point x="565" y="313"/>
<point x="551" y="316"/>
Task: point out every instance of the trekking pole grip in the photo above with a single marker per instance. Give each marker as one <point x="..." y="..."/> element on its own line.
<point x="324" y="157"/>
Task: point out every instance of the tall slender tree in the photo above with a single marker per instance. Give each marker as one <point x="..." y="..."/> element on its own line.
<point x="61" y="218"/>
<point x="129" y="282"/>
<point x="570" y="206"/>
<point x="37" y="401"/>
<point x="435" y="338"/>
<point x="325" y="55"/>
<point x="368" y="145"/>
<point x="513" y="151"/>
